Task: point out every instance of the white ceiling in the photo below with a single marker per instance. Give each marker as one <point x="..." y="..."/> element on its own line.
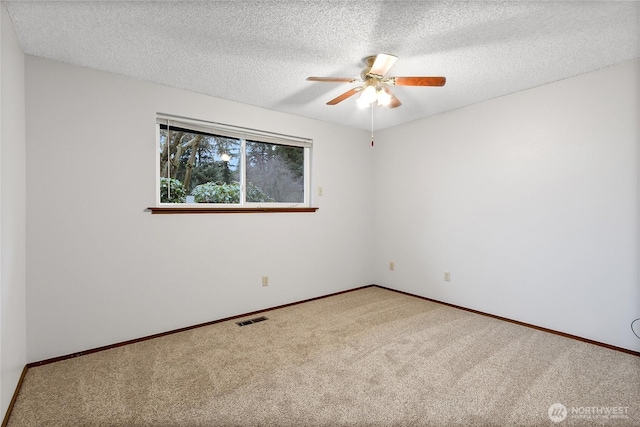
<point x="261" y="52"/>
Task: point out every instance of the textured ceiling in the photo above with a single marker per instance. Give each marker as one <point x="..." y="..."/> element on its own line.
<point x="261" y="52"/>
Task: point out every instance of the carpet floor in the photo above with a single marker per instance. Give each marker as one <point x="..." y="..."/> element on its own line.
<point x="371" y="357"/>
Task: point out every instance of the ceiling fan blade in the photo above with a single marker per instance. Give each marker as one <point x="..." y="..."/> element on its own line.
<point x="417" y="81"/>
<point x="344" y="96"/>
<point x="395" y="102"/>
<point x="382" y="64"/>
<point x="332" y="79"/>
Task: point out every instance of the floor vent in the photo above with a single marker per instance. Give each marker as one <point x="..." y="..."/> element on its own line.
<point x="250" y="321"/>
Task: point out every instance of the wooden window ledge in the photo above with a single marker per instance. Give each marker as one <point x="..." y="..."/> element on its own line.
<point x="209" y="210"/>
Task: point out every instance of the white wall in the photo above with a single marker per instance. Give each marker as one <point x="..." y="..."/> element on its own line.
<point x="529" y="200"/>
<point x="12" y="212"/>
<point x="102" y="270"/>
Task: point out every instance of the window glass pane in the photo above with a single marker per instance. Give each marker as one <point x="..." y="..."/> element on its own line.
<point x="275" y="173"/>
<point x="196" y="167"/>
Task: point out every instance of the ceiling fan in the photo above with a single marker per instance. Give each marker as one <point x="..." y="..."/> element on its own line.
<point x="376" y="85"/>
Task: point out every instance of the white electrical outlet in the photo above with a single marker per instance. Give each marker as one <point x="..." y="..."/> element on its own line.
<point x="447" y="276"/>
<point x="265" y="280"/>
<point x="320" y="191"/>
<point x="392" y="265"/>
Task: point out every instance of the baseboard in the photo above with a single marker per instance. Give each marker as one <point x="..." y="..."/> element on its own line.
<point x="517" y="322"/>
<point x="5" y="421"/>
<point x="175" y="331"/>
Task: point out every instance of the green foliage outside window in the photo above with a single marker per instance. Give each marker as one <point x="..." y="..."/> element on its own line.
<point x="219" y="192"/>
<point x="172" y="191"/>
<point x="216" y="192"/>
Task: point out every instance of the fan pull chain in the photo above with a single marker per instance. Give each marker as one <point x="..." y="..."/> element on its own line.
<point x="168" y="142"/>
<point x="371" y="124"/>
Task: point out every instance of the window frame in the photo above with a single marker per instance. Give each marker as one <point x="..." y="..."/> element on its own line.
<point x="243" y="135"/>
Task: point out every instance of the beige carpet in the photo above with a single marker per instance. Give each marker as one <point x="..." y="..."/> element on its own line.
<point x="371" y="357"/>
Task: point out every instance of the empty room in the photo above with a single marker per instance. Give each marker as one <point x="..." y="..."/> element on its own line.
<point x="291" y="213"/>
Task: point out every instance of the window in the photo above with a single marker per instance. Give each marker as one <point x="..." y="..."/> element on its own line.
<point x="210" y="164"/>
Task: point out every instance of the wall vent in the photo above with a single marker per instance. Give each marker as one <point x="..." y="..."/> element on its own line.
<point x="250" y="321"/>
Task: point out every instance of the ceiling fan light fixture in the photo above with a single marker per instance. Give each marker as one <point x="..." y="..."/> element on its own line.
<point x="368" y="95"/>
<point x="384" y="98"/>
